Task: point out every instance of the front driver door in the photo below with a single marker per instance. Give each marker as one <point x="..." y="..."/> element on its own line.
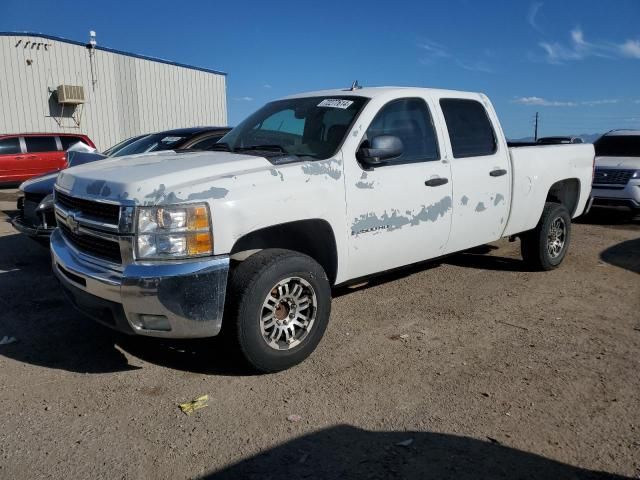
<point x="400" y="212"/>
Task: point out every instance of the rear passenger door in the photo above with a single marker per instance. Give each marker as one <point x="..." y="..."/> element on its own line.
<point x="399" y="212"/>
<point x="12" y="160"/>
<point x="480" y="169"/>
<point x="43" y="154"/>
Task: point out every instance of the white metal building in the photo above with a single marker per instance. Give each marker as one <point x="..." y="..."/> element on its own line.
<point x="50" y="84"/>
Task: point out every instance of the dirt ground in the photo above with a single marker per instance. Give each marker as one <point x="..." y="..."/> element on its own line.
<point x="471" y="367"/>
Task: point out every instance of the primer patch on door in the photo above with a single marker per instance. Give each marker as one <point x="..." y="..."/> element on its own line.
<point x="335" y="103"/>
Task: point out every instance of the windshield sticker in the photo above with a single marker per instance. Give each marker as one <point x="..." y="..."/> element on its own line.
<point x="335" y="103"/>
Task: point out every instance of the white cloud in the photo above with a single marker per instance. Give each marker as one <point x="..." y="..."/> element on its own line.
<point x="631" y="48"/>
<point x="478" y="66"/>
<point x="543" y="102"/>
<point x="266" y="85"/>
<point x="595" y="103"/>
<point x="433" y="52"/>
<point x="243" y="99"/>
<point x="434" y="49"/>
<point x="579" y="48"/>
<point x="532" y="15"/>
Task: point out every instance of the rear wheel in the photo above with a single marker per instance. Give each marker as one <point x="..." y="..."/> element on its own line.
<point x="278" y="308"/>
<point x="544" y="247"/>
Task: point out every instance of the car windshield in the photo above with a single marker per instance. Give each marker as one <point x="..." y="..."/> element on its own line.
<point x="618" y="146"/>
<point x="151" y="143"/>
<point x="309" y="126"/>
<point x="119" y="146"/>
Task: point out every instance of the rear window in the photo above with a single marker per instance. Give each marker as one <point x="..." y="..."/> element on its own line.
<point x="618" y="146"/>
<point x="68" y="142"/>
<point x="9" y="146"/>
<point x="470" y="129"/>
<point x="41" y="144"/>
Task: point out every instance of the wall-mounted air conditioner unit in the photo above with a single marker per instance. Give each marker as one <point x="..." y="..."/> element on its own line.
<point x="70" y="94"/>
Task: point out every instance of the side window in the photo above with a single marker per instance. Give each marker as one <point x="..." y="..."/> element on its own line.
<point x="9" y="146"/>
<point x="41" y="144"/>
<point x="470" y="129"/>
<point x="284" y="121"/>
<point x="68" y="142"/>
<point x="410" y="120"/>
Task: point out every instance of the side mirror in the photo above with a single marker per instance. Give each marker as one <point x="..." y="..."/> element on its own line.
<point x="383" y="148"/>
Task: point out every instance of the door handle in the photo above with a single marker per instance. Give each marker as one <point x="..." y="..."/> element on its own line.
<point x="436" y="182"/>
<point x="498" y="172"/>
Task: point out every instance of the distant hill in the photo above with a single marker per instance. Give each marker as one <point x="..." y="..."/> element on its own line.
<point x="587" y="137"/>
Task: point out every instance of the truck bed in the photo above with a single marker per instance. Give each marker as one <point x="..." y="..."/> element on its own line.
<point x="535" y="169"/>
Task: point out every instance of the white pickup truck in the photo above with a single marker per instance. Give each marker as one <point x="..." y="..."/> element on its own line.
<point x="309" y="192"/>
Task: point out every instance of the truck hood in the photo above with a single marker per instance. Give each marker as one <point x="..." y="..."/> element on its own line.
<point x="629" y="163"/>
<point x="160" y="177"/>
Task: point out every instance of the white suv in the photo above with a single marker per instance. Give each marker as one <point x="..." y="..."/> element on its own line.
<point x="616" y="180"/>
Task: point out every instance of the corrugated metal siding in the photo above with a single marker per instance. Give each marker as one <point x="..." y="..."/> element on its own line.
<point x="130" y="95"/>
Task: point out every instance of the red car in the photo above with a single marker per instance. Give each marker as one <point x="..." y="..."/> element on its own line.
<point x="25" y="155"/>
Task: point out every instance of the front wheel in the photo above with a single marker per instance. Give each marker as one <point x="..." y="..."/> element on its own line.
<point x="278" y="308"/>
<point x="544" y="247"/>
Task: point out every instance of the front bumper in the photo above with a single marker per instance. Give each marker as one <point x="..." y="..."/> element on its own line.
<point x="171" y="299"/>
<point x="38" y="231"/>
<point x="627" y="195"/>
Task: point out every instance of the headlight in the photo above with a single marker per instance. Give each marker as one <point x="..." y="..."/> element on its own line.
<point x="173" y="231"/>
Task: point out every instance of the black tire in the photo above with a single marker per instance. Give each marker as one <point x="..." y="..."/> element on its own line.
<point x="250" y="283"/>
<point x="534" y="244"/>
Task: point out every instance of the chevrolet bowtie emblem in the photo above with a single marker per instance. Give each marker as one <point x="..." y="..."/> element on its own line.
<point x="72" y="223"/>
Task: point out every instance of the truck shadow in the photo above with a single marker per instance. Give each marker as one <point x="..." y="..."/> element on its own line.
<point x="49" y="332"/>
<point x="620" y="218"/>
<point x="346" y="452"/>
<point x="624" y="255"/>
<point x="472" y="258"/>
<point x="478" y="258"/>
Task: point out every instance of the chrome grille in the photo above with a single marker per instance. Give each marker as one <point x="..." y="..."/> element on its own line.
<point x="104" y="212"/>
<point x="92" y="245"/>
<point x="612" y="176"/>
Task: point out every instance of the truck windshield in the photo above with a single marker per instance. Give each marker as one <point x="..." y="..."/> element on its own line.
<point x="310" y="126"/>
<point x="618" y="146"/>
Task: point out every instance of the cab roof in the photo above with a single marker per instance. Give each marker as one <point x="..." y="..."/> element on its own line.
<point x="372" y="92"/>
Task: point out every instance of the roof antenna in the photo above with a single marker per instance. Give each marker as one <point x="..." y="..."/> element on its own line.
<point x="355" y="86"/>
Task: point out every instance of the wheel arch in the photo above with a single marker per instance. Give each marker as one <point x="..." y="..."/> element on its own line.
<point x="566" y="192"/>
<point x="313" y="237"/>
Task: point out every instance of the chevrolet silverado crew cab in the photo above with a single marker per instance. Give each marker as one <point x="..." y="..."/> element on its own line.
<point x="309" y="192"/>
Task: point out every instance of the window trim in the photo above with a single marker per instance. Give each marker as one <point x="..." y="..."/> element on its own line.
<point x="392" y="163"/>
<point x="493" y="130"/>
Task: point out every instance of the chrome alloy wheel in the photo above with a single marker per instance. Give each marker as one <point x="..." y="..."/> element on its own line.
<point x="556" y="237"/>
<point x="288" y="313"/>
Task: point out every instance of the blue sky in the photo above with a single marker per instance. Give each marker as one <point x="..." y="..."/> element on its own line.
<point x="575" y="62"/>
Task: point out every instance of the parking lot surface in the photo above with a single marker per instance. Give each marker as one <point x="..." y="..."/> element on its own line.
<point x="469" y="367"/>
